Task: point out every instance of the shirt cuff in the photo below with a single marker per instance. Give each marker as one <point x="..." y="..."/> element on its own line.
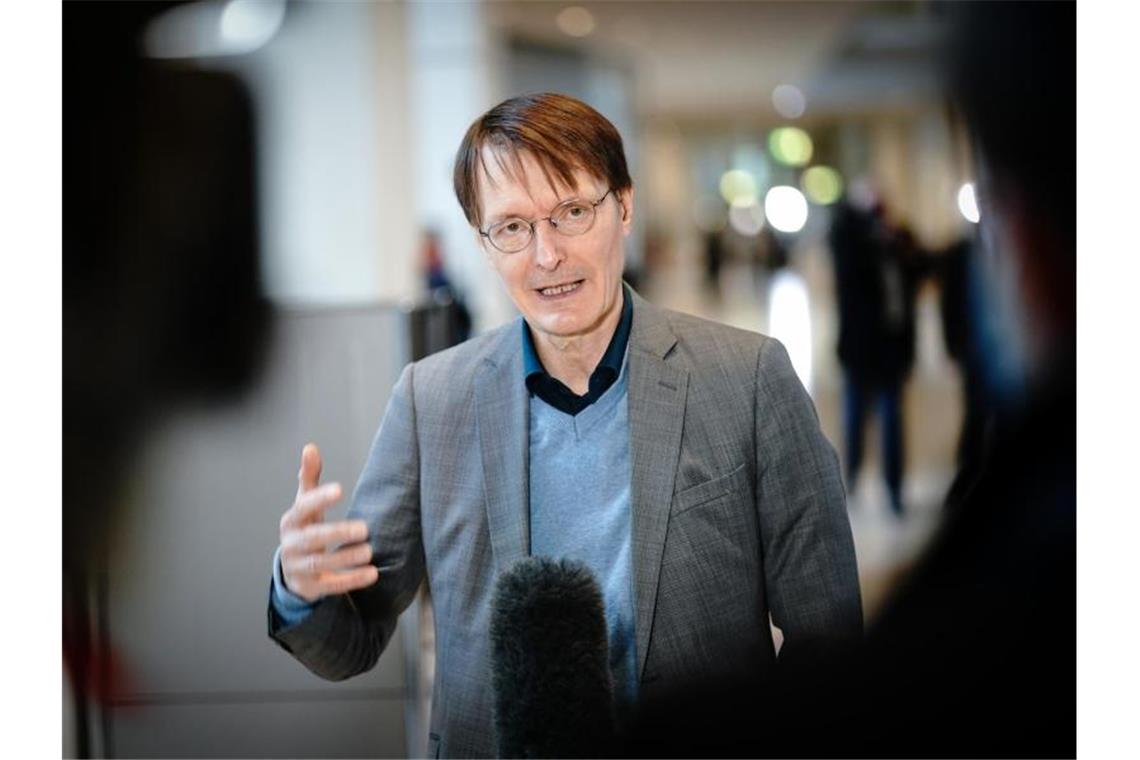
<point x="291" y="608"/>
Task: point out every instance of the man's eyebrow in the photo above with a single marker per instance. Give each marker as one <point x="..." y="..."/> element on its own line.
<point x="511" y="213"/>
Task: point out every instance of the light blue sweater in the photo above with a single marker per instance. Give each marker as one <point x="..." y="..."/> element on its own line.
<point x="580" y="508"/>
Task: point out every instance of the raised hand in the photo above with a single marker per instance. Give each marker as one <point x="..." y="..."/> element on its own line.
<point x="317" y="558"/>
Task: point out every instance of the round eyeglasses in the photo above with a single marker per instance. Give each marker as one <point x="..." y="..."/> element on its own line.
<point x="574" y="217"/>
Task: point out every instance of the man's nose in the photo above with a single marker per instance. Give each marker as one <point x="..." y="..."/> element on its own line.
<point x="547" y="253"/>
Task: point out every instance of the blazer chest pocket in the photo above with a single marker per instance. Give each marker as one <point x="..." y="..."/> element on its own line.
<point x="710" y="490"/>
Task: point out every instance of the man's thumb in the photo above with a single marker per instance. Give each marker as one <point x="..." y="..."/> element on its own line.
<point x="310" y="474"/>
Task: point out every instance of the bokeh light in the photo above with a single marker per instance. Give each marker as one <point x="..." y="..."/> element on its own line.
<point x="968" y="203"/>
<point x="786" y="208"/>
<point x="746" y="218"/>
<point x="738" y="186"/>
<point x="575" y="21"/>
<point x="248" y="24"/>
<point x="790" y="145"/>
<point x="822" y="185"/>
<point x="789" y="101"/>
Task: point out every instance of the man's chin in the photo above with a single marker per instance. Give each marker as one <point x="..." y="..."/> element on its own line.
<point x="560" y="326"/>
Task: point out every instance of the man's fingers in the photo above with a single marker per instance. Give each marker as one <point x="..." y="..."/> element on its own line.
<point x="321" y="536"/>
<point x="330" y="583"/>
<point x="347" y="557"/>
<point x="310" y="473"/>
<point x="309" y="506"/>
<point x="340" y="583"/>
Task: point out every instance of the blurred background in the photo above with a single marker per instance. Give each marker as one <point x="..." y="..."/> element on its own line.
<point x="279" y="175"/>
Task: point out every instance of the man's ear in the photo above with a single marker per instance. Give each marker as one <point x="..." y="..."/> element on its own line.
<point x="625" y="199"/>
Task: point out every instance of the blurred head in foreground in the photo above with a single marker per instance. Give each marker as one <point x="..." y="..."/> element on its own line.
<point x="1011" y="71"/>
<point x="161" y="286"/>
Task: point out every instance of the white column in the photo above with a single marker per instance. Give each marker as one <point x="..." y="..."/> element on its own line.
<point x="331" y="94"/>
<point x="455" y="63"/>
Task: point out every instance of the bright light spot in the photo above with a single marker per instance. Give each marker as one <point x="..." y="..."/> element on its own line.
<point x="790" y="145"/>
<point x="789" y="101"/>
<point x="789" y="320"/>
<point x="968" y="203"/>
<point x="786" y="208"/>
<point x="248" y="24"/>
<point x="746" y="218"/>
<point x="822" y="185"/>
<point x="738" y="186"/>
<point x="708" y="214"/>
<point x="575" y="21"/>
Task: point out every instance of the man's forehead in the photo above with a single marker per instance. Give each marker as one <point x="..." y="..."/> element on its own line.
<point x="509" y="177"/>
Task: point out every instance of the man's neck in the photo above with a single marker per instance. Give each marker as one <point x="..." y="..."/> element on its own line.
<point x="572" y="359"/>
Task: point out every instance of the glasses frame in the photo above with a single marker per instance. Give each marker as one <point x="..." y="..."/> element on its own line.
<point x="532" y="223"/>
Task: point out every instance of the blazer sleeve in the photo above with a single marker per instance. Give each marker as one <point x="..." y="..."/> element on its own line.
<point x="808" y="551"/>
<point x="345" y="634"/>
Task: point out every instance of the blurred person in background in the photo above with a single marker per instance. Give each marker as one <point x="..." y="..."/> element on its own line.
<point x="714" y="256"/>
<point x="681" y="460"/>
<point x="974" y="655"/>
<point x="954" y="268"/>
<point x="441" y="290"/>
<point x="875" y="283"/>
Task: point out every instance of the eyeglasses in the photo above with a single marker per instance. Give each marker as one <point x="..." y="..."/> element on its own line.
<point x="574" y="217"/>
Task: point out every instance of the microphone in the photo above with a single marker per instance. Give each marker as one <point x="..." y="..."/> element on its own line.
<point x="553" y="692"/>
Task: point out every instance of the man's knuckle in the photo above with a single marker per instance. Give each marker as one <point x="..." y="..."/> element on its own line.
<point x="313" y="538"/>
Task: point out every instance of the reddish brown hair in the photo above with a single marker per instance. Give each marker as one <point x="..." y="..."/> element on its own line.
<point x="562" y="133"/>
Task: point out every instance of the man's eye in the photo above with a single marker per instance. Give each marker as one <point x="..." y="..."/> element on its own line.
<point x="575" y="212"/>
<point x="512" y="228"/>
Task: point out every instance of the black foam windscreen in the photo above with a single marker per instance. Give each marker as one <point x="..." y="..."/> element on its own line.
<point x="550" y="662"/>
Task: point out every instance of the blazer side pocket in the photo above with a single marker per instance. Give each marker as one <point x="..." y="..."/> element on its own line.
<point x="702" y="493"/>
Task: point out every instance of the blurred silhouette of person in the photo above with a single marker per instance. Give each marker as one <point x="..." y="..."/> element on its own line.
<point x="442" y="291"/>
<point x="875" y="289"/>
<point x="161" y="300"/>
<point x="714" y="256"/>
<point x="974" y="654"/>
<point x="954" y="270"/>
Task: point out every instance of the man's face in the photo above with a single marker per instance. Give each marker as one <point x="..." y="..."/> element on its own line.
<point x="564" y="286"/>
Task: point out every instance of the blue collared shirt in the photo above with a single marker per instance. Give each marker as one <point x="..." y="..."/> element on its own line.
<point x="540" y="383"/>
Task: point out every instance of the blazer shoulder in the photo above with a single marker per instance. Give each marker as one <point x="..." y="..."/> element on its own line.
<point x="456" y="366"/>
<point x="704" y="341"/>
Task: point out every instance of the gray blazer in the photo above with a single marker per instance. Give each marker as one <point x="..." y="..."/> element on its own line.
<point x="738" y="512"/>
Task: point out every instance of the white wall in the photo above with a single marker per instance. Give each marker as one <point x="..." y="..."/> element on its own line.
<point x="331" y="94"/>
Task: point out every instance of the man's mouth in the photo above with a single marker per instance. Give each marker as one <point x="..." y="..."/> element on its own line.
<point x="557" y="290"/>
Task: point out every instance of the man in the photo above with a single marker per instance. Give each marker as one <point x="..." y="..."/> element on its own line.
<point x="680" y="459"/>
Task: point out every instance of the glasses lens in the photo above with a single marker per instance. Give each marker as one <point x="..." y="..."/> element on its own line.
<point x="573" y="218"/>
<point x="511" y="235"/>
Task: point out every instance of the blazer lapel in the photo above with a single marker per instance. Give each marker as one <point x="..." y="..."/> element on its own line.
<point x="657" y="391"/>
<point x="502" y="406"/>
